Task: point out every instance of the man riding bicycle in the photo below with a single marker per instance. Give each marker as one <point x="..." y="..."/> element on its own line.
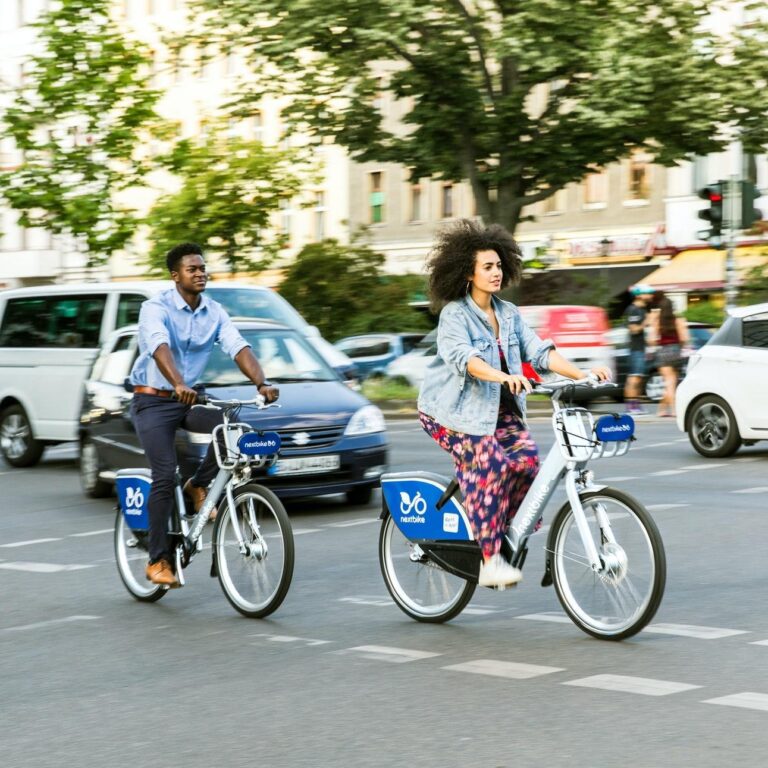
<point x="177" y="331"/>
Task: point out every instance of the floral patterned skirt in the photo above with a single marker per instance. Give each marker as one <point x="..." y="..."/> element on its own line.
<point x="494" y="473"/>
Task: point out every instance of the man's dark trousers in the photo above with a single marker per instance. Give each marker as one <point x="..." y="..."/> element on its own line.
<point x="156" y="420"/>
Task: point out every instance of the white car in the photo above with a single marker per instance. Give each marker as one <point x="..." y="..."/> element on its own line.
<point x="412" y="366"/>
<point x="722" y="402"/>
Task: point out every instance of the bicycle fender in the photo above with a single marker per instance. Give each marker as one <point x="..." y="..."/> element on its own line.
<point x="546" y="579"/>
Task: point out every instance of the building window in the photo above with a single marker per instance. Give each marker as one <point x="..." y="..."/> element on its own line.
<point x="286" y="221"/>
<point x="596" y="189"/>
<point x="639" y="178"/>
<point x="555" y="203"/>
<point x="446" y="201"/>
<point x="257" y="126"/>
<point x="320" y="212"/>
<point x="376" y="197"/>
<point x="417" y="199"/>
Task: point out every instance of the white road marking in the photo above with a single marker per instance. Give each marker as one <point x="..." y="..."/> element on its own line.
<point x="388" y="653"/>
<point x="662" y="507"/>
<point x="508" y="669"/>
<point x="479" y="611"/>
<point x="618" y="479"/>
<point x="363" y="600"/>
<point x="350" y="523"/>
<point x="92" y="533"/>
<point x="39" y="624"/>
<point x="690" y="630"/>
<point x="300" y="531"/>
<point x="557" y="618"/>
<point x="653" y="445"/>
<point x="756" y="489"/>
<point x="703" y="466"/>
<point x="759" y="642"/>
<point x="665" y="472"/>
<point x="42" y="567"/>
<point x="746" y="700"/>
<point x="308" y="641"/>
<point x="645" y="686"/>
<point x="28" y="543"/>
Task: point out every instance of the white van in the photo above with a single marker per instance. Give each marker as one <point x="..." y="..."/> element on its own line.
<point x="50" y="336"/>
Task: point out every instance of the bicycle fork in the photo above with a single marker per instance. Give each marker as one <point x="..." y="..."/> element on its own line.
<point x="579" y="515"/>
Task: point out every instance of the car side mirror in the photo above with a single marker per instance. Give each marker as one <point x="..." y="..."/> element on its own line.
<point x="127" y="386"/>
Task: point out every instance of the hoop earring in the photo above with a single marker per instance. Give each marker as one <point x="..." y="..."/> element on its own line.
<point x="466" y="292"/>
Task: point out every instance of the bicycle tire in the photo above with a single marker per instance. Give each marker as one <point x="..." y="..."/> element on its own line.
<point x="420" y="574"/>
<point x="132" y="562"/>
<point x="623" y="579"/>
<point x="243" y="576"/>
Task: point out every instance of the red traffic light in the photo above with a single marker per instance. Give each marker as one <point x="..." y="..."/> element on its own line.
<point x="713" y="193"/>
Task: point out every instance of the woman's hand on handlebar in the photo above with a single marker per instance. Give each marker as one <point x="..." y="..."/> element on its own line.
<point x="517" y="384"/>
<point x="601" y="373"/>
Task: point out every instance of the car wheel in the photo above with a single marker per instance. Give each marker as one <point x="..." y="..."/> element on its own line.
<point x="712" y="428"/>
<point x="654" y="386"/>
<point x="17" y="444"/>
<point x="359" y="496"/>
<point x="90" y="466"/>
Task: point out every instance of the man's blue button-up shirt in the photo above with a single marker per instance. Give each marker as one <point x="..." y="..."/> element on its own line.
<point x="190" y="335"/>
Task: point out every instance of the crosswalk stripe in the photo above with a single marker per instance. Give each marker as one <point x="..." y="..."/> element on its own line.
<point x="664" y="507"/>
<point x="509" y="669"/>
<point x="42" y="567"/>
<point x="746" y="700"/>
<point x="28" y="543"/>
<point x="645" y="686"/>
<point x="388" y="653"/>
<point x="557" y="618"/>
<point x="756" y="489"/>
<point x="39" y="624"/>
<point x="92" y="533"/>
<point x="690" y="630"/>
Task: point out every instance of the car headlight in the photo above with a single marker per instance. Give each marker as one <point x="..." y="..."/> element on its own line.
<point x="368" y="419"/>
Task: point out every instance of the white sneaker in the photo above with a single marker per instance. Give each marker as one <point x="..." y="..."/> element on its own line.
<point x="497" y="572"/>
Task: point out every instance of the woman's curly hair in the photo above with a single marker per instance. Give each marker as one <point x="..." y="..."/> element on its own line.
<point x="452" y="258"/>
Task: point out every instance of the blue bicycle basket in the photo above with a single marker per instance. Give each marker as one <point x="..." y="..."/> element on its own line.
<point x="133" y="487"/>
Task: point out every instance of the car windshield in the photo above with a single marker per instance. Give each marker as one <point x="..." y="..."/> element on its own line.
<point x="257" y="303"/>
<point x="284" y="355"/>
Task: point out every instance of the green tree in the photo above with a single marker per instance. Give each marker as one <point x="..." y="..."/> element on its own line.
<point x="79" y="118"/>
<point x="229" y="188"/>
<point x="754" y="289"/>
<point x="340" y="289"/>
<point x="520" y="98"/>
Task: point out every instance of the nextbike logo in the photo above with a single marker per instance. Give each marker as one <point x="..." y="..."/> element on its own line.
<point x="134" y="501"/>
<point x="617" y="428"/>
<point x="254" y="444"/>
<point x="412" y="509"/>
<point x="533" y="507"/>
<point x="260" y="444"/>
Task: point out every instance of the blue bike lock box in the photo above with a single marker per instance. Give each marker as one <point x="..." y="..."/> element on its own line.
<point x="614" y="427"/>
<point x="133" y="486"/>
<point x="259" y="444"/>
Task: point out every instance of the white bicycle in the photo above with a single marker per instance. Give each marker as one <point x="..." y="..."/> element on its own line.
<point x="604" y="553"/>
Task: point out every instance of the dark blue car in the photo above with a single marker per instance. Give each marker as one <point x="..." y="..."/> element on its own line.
<point x="333" y="439"/>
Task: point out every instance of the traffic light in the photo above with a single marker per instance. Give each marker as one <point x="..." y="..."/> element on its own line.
<point x="749" y="214"/>
<point x="714" y="214"/>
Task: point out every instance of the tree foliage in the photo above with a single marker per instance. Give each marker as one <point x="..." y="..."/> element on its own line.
<point x="754" y="288"/>
<point x="229" y="188"/>
<point x="520" y="98"/>
<point x="78" y="119"/>
<point x="340" y="289"/>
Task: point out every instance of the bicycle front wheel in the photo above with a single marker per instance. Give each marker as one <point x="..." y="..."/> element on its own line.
<point x="420" y="588"/>
<point x="132" y="557"/>
<point x="256" y="576"/>
<point x="622" y="597"/>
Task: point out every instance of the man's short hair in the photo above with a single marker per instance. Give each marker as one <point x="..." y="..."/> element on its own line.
<point x="178" y="252"/>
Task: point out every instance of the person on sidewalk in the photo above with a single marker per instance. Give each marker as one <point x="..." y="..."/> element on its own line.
<point x="177" y="331"/>
<point x="671" y="334"/>
<point x="472" y="400"/>
<point x="636" y="318"/>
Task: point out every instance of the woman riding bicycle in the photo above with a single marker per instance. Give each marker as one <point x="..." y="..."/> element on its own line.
<point x="464" y="403"/>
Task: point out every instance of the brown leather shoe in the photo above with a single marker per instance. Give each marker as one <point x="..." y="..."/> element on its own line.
<point x="162" y="573"/>
<point x="198" y="496"/>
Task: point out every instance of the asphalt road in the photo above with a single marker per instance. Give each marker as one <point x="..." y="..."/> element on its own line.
<point x="340" y="677"/>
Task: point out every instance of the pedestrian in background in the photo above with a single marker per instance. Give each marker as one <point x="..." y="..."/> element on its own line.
<point x="636" y="318"/>
<point x="472" y="401"/>
<point x="670" y="333"/>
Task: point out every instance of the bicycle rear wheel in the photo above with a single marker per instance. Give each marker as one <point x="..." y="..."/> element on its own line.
<point x="256" y="580"/>
<point x="418" y="586"/>
<point x="132" y="557"/>
<point x="620" y="599"/>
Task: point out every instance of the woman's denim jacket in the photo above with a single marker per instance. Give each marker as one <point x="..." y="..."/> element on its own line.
<point x="452" y="396"/>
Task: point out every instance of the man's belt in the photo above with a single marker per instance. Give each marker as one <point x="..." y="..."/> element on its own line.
<point x="142" y="390"/>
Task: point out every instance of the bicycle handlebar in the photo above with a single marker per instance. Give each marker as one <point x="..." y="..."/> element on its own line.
<point x="257" y="401"/>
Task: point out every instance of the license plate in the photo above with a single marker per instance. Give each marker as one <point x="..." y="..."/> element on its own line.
<point x="306" y="465"/>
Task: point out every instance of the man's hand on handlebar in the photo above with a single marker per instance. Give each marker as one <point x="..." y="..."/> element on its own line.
<point x="185" y="394"/>
<point x="601" y="372"/>
<point x="517" y="384"/>
<point x="269" y="392"/>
